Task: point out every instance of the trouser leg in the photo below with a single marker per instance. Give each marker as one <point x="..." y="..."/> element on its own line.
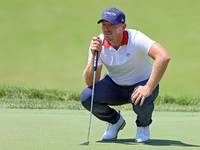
<point x="106" y="93"/>
<point x="144" y="112"/>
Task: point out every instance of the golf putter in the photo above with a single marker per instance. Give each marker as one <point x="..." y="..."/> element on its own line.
<point x="95" y="68"/>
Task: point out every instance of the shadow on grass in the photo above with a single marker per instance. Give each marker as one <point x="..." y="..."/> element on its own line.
<point x="153" y="142"/>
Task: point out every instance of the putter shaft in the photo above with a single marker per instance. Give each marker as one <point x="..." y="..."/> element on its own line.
<point x="92" y="99"/>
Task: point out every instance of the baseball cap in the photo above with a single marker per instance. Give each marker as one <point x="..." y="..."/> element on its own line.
<point x="113" y="15"/>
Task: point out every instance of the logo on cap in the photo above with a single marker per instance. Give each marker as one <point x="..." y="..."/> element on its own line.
<point x="110" y="13"/>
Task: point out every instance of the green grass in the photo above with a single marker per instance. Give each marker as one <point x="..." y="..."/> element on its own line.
<point x="43" y="52"/>
<point x="44" y="43"/>
<point x="12" y="92"/>
<point x="31" y="98"/>
<point x="65" y="129"/>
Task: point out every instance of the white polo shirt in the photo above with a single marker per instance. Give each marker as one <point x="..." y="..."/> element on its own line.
<point x="129" y="64"/>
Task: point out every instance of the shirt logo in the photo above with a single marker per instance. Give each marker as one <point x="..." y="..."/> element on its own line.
<point x="128" y="55"/>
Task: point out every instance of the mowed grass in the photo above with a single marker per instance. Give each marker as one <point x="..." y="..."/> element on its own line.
<point x="65" y="129"/>
<point x="44" y="44"/>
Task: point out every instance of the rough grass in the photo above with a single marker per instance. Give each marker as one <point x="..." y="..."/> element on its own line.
<point x="12" y="92"/>
<point x="32" y="98"/>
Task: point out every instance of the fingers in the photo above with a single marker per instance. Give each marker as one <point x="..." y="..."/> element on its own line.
<point x="97" y="42"/>
<point x="137" y="97"/>
<point x="95" y="39"/>
<point x="96" y="45"/>
<point x="134" y="96"/>
<point x="142" y="101"/>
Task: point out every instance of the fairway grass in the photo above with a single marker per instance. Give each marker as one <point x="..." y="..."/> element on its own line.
<point x="65" y="129"/>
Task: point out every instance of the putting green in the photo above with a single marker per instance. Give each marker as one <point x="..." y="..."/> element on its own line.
<point x="65" y="129"/>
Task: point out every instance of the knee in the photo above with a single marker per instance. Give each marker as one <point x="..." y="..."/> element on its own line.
<point x="85" y="98"/>
<point x="144" y="109"/>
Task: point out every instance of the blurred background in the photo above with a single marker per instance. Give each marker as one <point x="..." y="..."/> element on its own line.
<point x="44" y="43"/>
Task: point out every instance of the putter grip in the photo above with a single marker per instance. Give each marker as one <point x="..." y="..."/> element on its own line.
<point x="95" y="60"/>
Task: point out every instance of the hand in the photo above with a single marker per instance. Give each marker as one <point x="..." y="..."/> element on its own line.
<point x="96" y="45"/>
<point x="140" y="93"/>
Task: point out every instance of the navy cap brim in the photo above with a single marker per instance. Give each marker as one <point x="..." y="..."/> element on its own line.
<point x="111" y="21"/>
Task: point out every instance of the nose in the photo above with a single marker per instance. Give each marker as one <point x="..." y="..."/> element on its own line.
<point x="107" y="28"/>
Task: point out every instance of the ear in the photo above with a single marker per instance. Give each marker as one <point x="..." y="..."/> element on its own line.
<point x="124" y="26"/>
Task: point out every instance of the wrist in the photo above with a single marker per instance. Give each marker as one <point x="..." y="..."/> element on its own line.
<point x="150" y="87"/>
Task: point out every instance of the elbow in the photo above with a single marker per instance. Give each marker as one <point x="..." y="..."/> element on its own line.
<point x="167" y="58"/>
<point x="88" y="83"/>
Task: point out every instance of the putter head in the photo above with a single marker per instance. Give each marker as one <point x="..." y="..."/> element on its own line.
<point x="84" y="143"/>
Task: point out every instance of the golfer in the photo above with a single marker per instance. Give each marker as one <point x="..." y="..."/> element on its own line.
<point x="131" y="77"/>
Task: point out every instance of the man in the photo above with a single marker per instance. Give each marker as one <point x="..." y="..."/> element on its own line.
<point x="131" y="77"/>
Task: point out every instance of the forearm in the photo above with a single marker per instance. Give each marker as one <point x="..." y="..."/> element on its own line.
<point x="159" y="68"/>
<point x="89" y="73"/>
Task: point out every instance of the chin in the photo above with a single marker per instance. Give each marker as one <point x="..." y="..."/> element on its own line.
<point x="107" y="38"/>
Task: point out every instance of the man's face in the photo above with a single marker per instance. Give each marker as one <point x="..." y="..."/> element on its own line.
<point x="112" y="32"/>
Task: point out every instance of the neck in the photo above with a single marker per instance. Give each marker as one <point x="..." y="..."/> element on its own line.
<point x="116" y="43"/>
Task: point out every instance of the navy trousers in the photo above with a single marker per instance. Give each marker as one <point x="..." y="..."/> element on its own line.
<point x="109" y="93"/>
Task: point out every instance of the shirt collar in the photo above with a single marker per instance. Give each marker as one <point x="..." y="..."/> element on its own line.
<point x="124" y="41"/>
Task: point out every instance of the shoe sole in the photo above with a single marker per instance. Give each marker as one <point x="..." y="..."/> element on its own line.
<point x="142" y="141"/>
<point x="120" y="128"/>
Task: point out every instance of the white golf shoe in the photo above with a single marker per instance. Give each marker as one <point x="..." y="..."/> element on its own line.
<point x="143" y="135"/>
<point x="113" y="129"/>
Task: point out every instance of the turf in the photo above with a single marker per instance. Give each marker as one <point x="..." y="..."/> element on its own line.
<point x="44" y="43"/>
<point x="65" y="129"/>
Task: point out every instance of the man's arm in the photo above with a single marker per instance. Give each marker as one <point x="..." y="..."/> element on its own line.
<point x="162" y="58"/>
<point x="88" y="73"/>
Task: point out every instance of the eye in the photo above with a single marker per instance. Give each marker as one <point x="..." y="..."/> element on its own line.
<point x="112" y="26"/>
